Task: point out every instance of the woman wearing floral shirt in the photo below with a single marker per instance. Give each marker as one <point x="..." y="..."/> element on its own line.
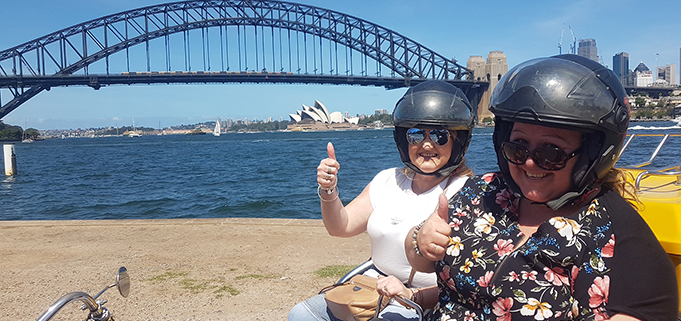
<point x="555" y="235"/>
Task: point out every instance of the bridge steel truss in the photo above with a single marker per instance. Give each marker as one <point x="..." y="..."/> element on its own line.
<point x="286" y="42"/>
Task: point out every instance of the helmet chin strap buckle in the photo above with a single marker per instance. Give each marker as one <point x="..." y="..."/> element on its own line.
<point x="559" y="202"/>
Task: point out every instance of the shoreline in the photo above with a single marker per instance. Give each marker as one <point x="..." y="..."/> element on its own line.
<point x="190" y="269"/>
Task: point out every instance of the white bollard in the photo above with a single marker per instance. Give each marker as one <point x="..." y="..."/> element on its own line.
<point x="10" y="160"/>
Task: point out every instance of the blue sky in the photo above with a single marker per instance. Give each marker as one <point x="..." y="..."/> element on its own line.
<point x="457" y="29"/>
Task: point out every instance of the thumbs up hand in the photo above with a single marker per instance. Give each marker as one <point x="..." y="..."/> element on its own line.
<point x="434" y="236"/>
<point x="328" y="168"/>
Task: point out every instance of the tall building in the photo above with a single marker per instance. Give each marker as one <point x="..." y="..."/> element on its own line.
<point x="643" y="76"/>
<point x="587" y="48"/>
<point x="620" y="65"/>
<point x="667" y="74"/>
<point x="491" y="71"/>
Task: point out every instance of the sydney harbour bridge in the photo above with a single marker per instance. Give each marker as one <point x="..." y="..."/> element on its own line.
<point x="230" y="41"/>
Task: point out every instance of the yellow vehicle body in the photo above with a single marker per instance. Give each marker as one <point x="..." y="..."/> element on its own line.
<point x="660" y="195"/>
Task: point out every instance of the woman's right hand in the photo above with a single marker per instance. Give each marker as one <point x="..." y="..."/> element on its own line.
<point x="434" y="236"/>
<point x="327" y="171"/>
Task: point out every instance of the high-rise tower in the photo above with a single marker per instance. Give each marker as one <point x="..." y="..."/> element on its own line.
<point x="587" y="48"/>
<point x="620" y="65"/>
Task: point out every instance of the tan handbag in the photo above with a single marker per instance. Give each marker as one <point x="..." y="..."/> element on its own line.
<point x="355" y="300"/>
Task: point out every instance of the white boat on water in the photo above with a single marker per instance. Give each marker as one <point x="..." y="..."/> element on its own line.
<point x="216" y="130"/>
<point x="134" y="132"/>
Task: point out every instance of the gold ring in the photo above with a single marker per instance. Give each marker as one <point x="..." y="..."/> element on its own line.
<point x="328" y="177"/>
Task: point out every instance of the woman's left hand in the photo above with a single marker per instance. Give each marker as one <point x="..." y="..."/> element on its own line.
<point x="391" y="286"/>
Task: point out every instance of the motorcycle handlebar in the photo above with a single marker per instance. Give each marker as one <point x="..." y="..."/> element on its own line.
<point x="73" y="296"/>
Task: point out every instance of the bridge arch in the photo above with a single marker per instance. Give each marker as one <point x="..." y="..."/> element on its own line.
<point x="100" y="49"/>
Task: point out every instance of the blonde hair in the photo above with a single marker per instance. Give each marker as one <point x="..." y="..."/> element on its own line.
<point x="621" y="182"/>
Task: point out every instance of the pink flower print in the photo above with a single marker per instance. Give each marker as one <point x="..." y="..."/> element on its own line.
<point x="504" y="247"/>
<point x="459" y="212"/>
<point x="573" y="276"/>
<point x="502" y="308"/>
<point x="455" y="223"/>
<point x="484" y="280"/>
<point x="599" y="291"/>
<point x="556" y="276"/>
<point x="540" y="310"/>
<point x="513" y="276"/>
<point x="488" y="177"/>
<point x="477" y="212"/>
<point x="469" y="316"/>
<point x="504" y="199"/>
<point x="609" y="249"/>
<point x="532" y="275"/>
<point x="600" y="315"/>
<point x="475" y="201"/>
<point x="444" y="275"/>
<point x="445" y="272"/>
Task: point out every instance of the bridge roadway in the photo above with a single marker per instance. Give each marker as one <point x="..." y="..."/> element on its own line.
<point x="96" y="81"/>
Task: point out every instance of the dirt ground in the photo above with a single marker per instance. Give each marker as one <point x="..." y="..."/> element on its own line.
<point x="198" y="269"/>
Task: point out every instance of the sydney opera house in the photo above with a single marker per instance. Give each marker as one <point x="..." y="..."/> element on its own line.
<point x="318" y="117"/>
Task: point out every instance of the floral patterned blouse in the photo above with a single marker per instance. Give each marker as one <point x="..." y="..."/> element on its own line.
<point x="566" y="270"/>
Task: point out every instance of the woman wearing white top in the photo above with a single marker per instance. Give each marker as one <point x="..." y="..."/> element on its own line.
<point x="433" y="125"/>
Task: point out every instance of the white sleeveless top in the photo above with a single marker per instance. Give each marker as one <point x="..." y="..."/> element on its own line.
<point x="396" y="209"/>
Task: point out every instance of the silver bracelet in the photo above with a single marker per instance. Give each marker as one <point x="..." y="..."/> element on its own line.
<point x="328" y="192"/>
<point x="413" y="237"/>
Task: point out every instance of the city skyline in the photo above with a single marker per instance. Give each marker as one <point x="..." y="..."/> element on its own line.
<point x="459" y="31"/>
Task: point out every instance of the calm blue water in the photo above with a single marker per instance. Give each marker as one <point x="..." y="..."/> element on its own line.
<point x="267" y="175"/>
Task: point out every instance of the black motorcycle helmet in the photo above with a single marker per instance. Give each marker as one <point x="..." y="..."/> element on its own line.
<point x="435" y="104"/>
<point x="569" y="92"/>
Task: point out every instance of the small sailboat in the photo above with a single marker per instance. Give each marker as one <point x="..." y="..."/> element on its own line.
<point x="216" y="130"/>
<point x="134" y="132"/>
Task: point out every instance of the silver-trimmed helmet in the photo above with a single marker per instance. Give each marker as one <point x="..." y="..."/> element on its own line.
<point x="569" y="92"/>
<point x="436" y="104"/>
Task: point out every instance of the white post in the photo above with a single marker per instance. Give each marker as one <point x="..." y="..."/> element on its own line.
<point x="10" y="160"/>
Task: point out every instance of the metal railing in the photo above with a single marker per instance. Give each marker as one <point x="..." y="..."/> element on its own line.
<point x="669" y="171"/>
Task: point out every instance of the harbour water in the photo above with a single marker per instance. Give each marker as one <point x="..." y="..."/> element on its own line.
<point x="265" y="175"/>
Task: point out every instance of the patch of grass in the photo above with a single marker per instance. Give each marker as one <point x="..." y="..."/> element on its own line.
<point x="168" y="275"/>
<point x="196" y="286"/>
<point x="335" y="271"/>
<point x="254" y="276"/>
<point x="218" y="286"/>
<point x="220" y="292"/>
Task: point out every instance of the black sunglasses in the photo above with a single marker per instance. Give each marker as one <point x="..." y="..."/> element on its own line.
<point x="548" y="158"/>
<point x="417" y="135"/>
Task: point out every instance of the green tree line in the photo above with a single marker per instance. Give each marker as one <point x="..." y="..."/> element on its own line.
<point x="16" y="133"/>
<point x="260" y="127"/>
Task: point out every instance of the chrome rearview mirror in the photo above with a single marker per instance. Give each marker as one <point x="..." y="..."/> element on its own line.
<point x="123" y="282"/>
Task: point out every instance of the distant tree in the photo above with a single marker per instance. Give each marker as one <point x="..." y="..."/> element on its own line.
<point x="663" y="112"/>
<point x="487" y="120"/>
<point x="31" y="133"/>
<point x="640" y="102"/>
<point x="386" y="119"/>
<point x="9" y="132"/>
<point x="260" y="126"/>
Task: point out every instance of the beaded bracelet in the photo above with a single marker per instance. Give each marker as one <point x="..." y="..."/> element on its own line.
<point x="413" y="236"/>
<point x="328" y="191"/>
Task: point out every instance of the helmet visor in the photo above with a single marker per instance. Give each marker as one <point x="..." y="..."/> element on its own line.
<point x="552" y="89"/>
<point x="433" y="108"/>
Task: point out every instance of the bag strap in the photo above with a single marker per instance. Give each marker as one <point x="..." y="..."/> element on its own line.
<point x="411" y="277"/>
